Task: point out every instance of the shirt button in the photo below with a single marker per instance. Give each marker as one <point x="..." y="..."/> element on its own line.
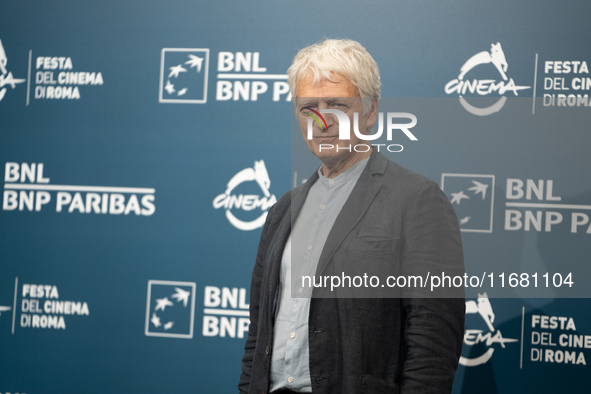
<point x="309" y="247"/>
<point x="290" y="379"/>
<point x="331" y="182"/>
<point x="301" y="290"/>
<point x="267" y="350"/>
<point x="322" y="206"/>
<point x="292" y="335"/>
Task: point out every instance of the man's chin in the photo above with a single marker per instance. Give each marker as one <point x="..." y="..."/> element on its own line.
<point x="328" y="155"/>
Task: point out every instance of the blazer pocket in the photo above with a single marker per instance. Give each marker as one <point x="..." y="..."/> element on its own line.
<point x="373" y="385"/>
<point x="374" y="244"/>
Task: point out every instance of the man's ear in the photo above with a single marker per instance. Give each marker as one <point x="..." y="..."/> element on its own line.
<point x="372" y="116"/>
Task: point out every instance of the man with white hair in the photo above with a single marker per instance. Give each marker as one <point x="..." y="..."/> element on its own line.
<point x="359" y="211"/>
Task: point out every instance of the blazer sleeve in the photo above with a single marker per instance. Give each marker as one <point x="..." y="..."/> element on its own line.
<point x="434" y="324"/>
<point x="255" y="295"/>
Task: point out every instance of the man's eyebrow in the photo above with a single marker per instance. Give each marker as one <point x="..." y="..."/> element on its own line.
<point x="305" y="103"/>
<point x="340" y="99"/>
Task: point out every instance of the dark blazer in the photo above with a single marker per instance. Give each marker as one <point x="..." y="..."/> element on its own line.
<point x="368" y="345"/>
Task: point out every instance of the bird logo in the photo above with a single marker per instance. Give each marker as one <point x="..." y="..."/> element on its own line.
<point x="471" y="196"/>
<point x="174" y="71"/>
<point x="161" y="304"/>
<point x="170" y="309"/>
<point x="195" y="61"/>
<point x="457" y="197"/>
<point x="183" y="75"/>
<point x="479" y="188"/>
<point x="181" y="295"/>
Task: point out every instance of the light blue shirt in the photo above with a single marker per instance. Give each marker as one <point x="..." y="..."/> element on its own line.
<point x="290" y="362"/>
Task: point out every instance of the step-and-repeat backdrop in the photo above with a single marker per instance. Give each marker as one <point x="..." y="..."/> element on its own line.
<point x="143" y="143"/>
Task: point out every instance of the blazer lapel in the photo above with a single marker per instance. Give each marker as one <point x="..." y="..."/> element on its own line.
<point x="279" y="239"/>
<point x="298" y="200"/>
<point x="355" y="207"/>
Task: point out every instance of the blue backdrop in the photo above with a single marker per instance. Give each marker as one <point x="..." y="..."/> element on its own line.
<point x="130" y="216"/>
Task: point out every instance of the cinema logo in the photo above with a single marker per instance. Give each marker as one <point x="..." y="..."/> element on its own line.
<point x="41" y="307"/>
<point x="27" y="188"/>
<point x="345" y="129"/>
<point x="473" y="337"/>
<point x="247" y="202"/>
<point x="564" y="81"/>
<point x="225" y="312"/>
<point x="55" y="78"/>
<point x="484" y="87"/>
<point x="6" y="78"/>
<point x="554" y="339"/>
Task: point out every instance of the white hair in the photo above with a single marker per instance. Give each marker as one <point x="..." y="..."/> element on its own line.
<point x="346" y="57"/>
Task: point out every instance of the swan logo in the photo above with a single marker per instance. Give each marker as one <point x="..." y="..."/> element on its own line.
<point x="247" y="202"/>
<point x="484" y="87"/>
<point x="482" y="307"/>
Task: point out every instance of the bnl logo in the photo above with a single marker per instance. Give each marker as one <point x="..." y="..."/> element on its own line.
<point x="472" y="197"/>
<point x="183" y="75"/>
<point x="170" y="309"/>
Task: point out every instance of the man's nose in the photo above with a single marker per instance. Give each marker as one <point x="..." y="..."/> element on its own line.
<point x="331" y="121"/>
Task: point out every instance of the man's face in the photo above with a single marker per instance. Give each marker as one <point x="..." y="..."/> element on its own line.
<point x="340" y="95"/>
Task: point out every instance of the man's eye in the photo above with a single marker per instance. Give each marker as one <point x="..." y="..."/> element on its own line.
<point x="307" y="109"/>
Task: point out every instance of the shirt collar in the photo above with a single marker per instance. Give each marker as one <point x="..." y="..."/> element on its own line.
<point x="352" y="172"/>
